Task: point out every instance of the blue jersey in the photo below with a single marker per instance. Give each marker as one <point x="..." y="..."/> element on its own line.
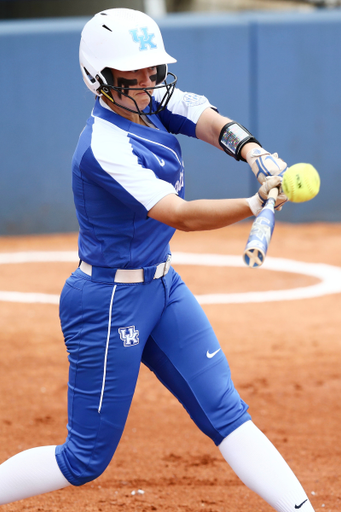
<point x="120" y="171"/>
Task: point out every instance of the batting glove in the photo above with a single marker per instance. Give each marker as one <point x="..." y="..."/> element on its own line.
<point x="257" y="202"/>
<point x="264" y="165"/>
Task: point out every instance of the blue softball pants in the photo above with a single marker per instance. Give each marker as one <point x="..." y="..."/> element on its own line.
<point x="109" y="328"/>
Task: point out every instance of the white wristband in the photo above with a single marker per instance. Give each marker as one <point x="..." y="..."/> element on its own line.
<point x="255" y="204"/>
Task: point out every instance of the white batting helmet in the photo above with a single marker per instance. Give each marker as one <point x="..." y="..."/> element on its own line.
<point x="123" y="39"/>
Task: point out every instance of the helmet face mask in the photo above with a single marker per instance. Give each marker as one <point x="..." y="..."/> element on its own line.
<point x="124" y="85"/>
<point x="124" y="40"/>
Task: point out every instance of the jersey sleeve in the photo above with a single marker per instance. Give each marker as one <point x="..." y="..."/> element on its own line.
<point x="183" y="111"/>
<point x="114" y="165"/>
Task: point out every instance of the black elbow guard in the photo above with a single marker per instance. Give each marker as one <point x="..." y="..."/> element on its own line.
<point x="233" y="137"/>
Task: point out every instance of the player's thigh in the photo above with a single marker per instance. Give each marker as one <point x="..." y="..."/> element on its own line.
<point x="105" y="329"/>
<point x="186" y="356"/>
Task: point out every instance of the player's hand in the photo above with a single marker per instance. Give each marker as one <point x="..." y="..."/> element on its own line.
<point x="269" y="183"/>
<point x="257" y="202"/>
<point x="264" y="165"/>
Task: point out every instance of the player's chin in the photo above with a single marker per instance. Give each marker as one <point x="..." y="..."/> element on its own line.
<point x="142" y="99"/>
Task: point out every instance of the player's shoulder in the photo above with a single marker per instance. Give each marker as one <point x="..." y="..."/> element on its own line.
<point x="110" y="141"/>
<point x="190" y="99"/>
<point x="186" y="104"/>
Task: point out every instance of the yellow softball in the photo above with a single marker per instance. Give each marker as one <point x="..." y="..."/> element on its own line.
<point x="301" y="182"/>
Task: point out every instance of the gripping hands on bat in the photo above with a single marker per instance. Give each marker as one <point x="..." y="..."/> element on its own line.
<point x="300" y="183"/>
<point x="264" y="165"/>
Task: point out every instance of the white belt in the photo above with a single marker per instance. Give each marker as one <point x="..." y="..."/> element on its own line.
<point x="131" y="276"/>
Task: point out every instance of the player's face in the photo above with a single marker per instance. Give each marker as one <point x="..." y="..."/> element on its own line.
<point x="129" y="81"/>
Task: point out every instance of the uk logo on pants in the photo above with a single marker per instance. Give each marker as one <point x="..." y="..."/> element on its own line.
<point x="129" y="336"/>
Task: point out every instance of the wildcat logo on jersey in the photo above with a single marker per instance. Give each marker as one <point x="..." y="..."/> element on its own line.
<point x="129" y="336"/>
<point x="143" y="38"/>
<point x="192" y="100"/>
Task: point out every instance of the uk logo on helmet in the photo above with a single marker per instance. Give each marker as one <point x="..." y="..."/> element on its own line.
<point x="143" y="38"/>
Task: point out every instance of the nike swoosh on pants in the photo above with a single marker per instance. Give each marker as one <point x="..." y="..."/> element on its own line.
<point x="213" y="353"/>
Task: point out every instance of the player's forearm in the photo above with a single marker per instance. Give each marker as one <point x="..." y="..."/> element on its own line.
<point x="209" y="127"/>
<point x="200" y="215"/>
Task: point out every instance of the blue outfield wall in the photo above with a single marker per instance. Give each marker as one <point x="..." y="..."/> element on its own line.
<point x="279" y="74"/>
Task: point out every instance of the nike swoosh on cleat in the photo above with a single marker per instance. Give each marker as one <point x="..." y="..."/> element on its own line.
<point x="303" y="502"/>
<point x="213" y="353"/>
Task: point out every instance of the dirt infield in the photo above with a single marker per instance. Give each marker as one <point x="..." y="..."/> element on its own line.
<point x="285" y="361"/>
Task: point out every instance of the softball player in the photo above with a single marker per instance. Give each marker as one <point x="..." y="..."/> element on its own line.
<point x="125" y="303"/>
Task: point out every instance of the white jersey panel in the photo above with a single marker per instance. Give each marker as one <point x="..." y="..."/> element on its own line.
<point x="185" y="104"/>
<point x="113" y="150"/>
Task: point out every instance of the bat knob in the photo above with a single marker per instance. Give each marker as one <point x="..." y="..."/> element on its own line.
<point x="254" y="257"/>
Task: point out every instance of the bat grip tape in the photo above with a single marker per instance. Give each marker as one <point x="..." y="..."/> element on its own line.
<point x="273" y="194"/>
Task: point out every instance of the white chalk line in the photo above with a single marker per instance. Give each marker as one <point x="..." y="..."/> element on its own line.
<point x="329" y="276"/>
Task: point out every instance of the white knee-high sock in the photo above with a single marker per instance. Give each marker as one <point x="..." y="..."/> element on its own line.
<point x="260" y="467"/>
<point x="29" y="473"/>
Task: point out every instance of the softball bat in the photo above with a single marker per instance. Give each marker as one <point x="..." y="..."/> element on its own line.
<point x="301" y="182"/>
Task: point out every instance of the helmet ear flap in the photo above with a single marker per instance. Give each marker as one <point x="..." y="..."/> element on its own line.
<point x="107" y="75"/>
<point x="89" y="79"/>
<point x="161" y="73"/>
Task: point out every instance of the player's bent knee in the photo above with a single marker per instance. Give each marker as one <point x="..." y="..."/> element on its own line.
<point x="80" y="470"/>
<point x="79" y="477"/>
<point x="88" y="475"/>
<point x="84" y="475"/>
